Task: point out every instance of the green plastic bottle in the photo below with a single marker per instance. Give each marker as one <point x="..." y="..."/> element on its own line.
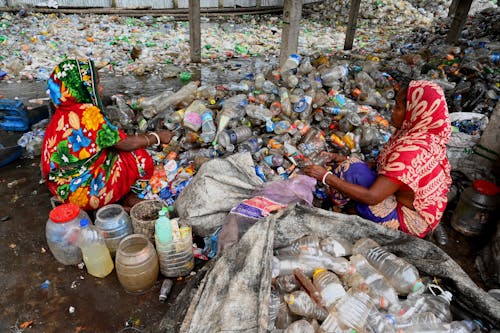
<point x="163" y="227"/>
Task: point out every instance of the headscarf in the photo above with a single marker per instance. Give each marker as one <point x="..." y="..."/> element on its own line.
<point x="416" y="154"/>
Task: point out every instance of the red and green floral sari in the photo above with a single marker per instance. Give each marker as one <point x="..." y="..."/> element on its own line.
<point x="79" y="162"/>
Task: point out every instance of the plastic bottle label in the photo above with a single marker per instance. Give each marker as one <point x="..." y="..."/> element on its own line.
<point x="233" y="138"/>
<point x="192" y="118"/>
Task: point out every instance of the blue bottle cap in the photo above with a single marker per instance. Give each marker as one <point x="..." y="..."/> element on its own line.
<point x="84" y="223"/>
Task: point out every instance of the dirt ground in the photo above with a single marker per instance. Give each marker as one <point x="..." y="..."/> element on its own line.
<point x="36" y="289"/>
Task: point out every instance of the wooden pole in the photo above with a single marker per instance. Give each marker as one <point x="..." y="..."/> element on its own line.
<point x="453" y="8"/>
<point x="351" y="27"/>
<point x="458" y="22"/>
<point x="195" y="30"/>
<point x="292" y="13"/>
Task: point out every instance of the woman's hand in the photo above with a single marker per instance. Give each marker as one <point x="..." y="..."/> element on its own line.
<point x="315" y="171"/>
<point x="165" y="136"/>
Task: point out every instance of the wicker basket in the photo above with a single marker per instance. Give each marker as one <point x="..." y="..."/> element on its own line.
<point x="144" y="215"/>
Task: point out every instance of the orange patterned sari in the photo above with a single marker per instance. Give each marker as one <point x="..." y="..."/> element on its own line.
<point x="416" y="156"/>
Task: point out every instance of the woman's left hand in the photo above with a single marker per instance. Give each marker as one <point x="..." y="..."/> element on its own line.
<point x="315" y="171"/>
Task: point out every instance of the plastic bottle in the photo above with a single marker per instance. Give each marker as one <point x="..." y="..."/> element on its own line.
<point x="303" y="107"/>
<point x="270" y="88"/>
<point x="305" y="245"/>
<point x="61" y="232"/>
<point x="233" y="108"/>
<point x="229" y="138"/>
<point x="96" y="255"/>
<point x="259" y="112"/>
<point x="287" y="283"/>
<point x="329" y="286"/>
<point x="156" y="104"/>
<point x="402" y="275"/>
<point x="274" y="306"/>
<point x="363" y="245"/>
<point x="251" y="145"/>
<point x="308" y="263"/>
<point x="306" y="66"/>
<point x="163" y="227"/>
<point x="331" y="75"/>
<point x="291" y="63"/>
<point x="114" y="223"/>
<point x="378" y="322"/>
<point x="174" y="119"/>
<point x="400" y="323"/>
<point x="353" y="309"/>
<point x="208" y="128"/>
<point x="301" y="304"/>
<point x="439" y="305"/>
<point x="463" y="326"/>
<point x="192" y="115"/>
<point x="383" y="294"/>
<point x="300" y="326"/>
<point x="190" y="155"/>
<point x="259" y="81"/>
<point x="286" y="105"/>
<point x="332" y="325"/>
<point x="165" y="289"/>
<point x="336" y="246"/>
<point x="239" y="87"/>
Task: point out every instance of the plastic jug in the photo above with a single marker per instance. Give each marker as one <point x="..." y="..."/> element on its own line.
<point x="61" y="232"/>
<point x="474" y="207"/>
<point x="114" y="224"/>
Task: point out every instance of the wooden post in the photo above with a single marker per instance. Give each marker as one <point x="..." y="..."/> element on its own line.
<point x="459" y="18"/>
<point x="292" y="13"/>
<point x="453" y="8"/>
<point x="351" y="27"/>
<point x="195" y="30"/>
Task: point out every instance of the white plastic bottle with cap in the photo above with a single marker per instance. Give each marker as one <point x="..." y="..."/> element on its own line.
<point x="96" y="254"/>
<point x="402" y="275"/>
<point x="329" y="286"/>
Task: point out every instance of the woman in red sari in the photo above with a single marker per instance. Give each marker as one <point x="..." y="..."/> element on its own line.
<point x="86" y="160"/>
<point x="409" y="192"/>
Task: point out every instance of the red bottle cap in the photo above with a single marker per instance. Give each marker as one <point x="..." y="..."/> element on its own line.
<point x="64" y="213"/>
<point x="485" y="187"/>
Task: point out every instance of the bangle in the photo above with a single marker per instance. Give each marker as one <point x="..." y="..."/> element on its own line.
<point x="147" y="140"/>
<point x="157" y="139"/>
<point x="324" y="177"/>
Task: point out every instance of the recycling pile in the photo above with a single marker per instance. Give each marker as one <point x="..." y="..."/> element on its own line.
<point x="330" y="285"/>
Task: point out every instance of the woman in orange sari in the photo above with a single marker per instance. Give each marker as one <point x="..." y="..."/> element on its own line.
<point x="409" y="190"/>
<point x="86" y="160"/>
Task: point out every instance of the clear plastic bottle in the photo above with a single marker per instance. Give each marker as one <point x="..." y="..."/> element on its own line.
<point x="303" y="107"/>
<point x="259" y="81"/>
<point x="208" y="128"/>
<point x="96" y="255"/>
<point x="174" y="119"/>
<point x="301" y="304"/>
<point x="259" y="112"/>
<point x="151" y="106"/>
<point x="229" y="138"/>
<point x="274" y="306"/>
<point x="383" y="294"/>
<point x="251" y="145"/>
<point x="305" y="245"/>
<point x="353" y="309"/>
<point x="331" y="75"/>
<point x="378" y="322"/>
<point x="305" y="66"/>
<point x="401" y="323"/>
<point x="402" y="275"/>
<point x="233" y="108"/>
<point x="363" y="245"/>
<point x="270" y="88"/>
<point x="439" y="305"/>
<point x="300" y="326"/>
<point x="336" y="247"/>
<point x="332" y="325"/>
<point x="190" y="155"/>
<point x="291" y="63"/>
<point x="239" y="87"/>
<point x="286" y="105"/>
<point x="286" y="283"/>
<point x="329" y="286"/>
<point x="308" y="263"/>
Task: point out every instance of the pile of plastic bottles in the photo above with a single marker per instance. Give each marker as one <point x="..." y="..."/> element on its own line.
<point x="317" y="289"/>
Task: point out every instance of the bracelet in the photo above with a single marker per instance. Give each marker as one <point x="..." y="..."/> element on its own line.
<point x="324" y="177"/>
<point x="157" y="139"/>
<point x="147" y="140"/>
